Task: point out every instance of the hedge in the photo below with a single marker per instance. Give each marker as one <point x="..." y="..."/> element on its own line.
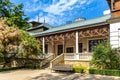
<point x="15" y="68"/>
<point x="7" y="69"/>
<point x="105" y="72"/>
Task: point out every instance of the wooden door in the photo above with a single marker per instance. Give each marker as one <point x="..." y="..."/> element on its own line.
<point x="60" y="49"/>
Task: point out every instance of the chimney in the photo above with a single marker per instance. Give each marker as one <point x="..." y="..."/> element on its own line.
<point x="79" y="19"/>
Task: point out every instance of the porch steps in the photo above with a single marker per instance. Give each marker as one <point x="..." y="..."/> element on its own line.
<point x="65" y="61"/>
<point x="61" y="66"/>
<point x="45" y="63"/>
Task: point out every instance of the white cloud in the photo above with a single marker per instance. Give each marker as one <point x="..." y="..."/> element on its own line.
<point x="57" y="10"/>
<point x="60" y="7"/>
<point x="50" y="19"/>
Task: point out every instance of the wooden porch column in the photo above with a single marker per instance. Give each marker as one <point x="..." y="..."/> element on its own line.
<point x="43" y="46"/>
<point x="53" y="48"/>
<point x="76" y="41"/>
<point x="77" y="55"/>
<point x="64" y="45"/>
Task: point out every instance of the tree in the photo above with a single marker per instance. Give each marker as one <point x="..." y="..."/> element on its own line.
<point x="11" y="39"/>
<point x="104" y="57"/>
<point x="14" y="13"/>
<point x="30" y="47"/>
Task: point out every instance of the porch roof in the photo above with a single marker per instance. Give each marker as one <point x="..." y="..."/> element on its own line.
<point x="74" y="25"/>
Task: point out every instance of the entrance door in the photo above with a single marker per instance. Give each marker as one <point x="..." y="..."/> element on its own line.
<point x="60" y="49"/>
<point x="80" y="47"/>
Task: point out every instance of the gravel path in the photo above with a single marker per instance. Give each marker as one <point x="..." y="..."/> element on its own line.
<point x="46" y="74"/>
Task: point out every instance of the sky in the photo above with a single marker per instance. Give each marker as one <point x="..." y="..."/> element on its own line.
<point x="58" y="12"/>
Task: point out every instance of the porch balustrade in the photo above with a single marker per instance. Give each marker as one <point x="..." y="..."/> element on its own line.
<point x="55" y="63"/>
<point x="85" y="56"/>
<point x="79" y="56"/>
<point x="70" y="56"/>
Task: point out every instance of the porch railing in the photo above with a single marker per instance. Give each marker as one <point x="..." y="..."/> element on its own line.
<point x="69" y="56"/>
<point x="85" y="56"/>
<point x="80" y="56"/>
<point x="47" y="59"/>
<point x="57" y="60"/>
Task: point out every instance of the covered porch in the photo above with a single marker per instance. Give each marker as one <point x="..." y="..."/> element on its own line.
<point x="74" y="46"/>
<point x="77" y="44"/>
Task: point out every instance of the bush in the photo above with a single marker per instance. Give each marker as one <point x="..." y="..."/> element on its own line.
<point x="105" y="72"/>
<point x="1" y="59"/>
<point x="28" y="62"/>
<point x="78" y="69"/>
<point x="104" y="57"/>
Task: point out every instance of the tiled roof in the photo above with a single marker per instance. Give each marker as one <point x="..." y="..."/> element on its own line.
<point x="74" y="25"/>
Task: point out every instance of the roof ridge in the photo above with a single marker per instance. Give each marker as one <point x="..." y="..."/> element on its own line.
<point x="84" y="20"/>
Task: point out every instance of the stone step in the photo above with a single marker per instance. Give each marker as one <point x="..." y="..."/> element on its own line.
<point x="63" y="67"/>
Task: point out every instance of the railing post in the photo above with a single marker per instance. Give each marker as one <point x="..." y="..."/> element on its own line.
<point x="77" y="55"/>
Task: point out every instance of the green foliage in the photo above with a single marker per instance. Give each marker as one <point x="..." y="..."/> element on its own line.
<point x="11" y="39"/>
<point x="78" y="69"/>
<point x="104" y="57"/>
<point x="30" y="46"/>
<point x="14" y="14"/>
<point x="105" y="72"/>
<point x="1" y="59"/>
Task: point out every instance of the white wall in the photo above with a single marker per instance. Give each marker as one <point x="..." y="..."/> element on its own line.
<point x="114" y="35"/>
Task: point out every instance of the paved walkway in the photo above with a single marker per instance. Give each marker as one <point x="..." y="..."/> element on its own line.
<point x="46" y="74"/>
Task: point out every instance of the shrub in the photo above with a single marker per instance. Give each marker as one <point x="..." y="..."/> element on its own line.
<point x="105" y="72"/>
<point x="78" y="69"/>
<point x="104" y="57"/>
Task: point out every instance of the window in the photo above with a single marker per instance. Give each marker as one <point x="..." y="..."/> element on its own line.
<point x="60" y="49"/>
<point x="69" y="50"/>
<point x="93" y="43"/>
<point x="80" y="47"/>
<point x="46" y="48"/>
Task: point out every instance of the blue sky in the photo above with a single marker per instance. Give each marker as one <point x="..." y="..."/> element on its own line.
<point x="58" y="12"/>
